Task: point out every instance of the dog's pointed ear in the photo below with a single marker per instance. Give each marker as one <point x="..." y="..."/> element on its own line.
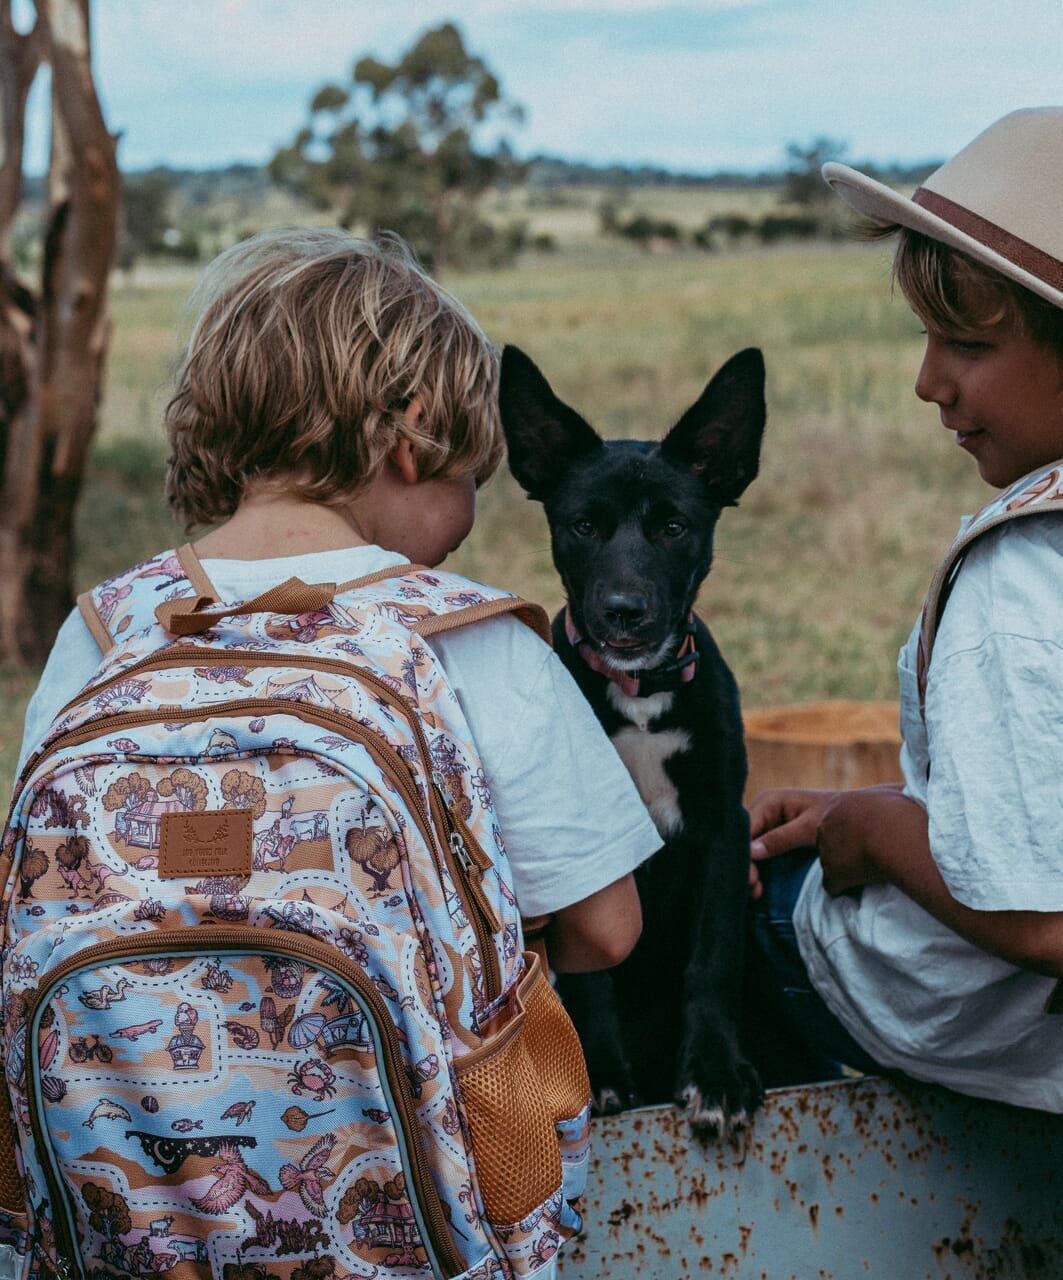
<point x="719" y="436"/>
<point x="543" y="435"/>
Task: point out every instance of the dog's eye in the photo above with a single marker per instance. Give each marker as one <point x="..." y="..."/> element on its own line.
<point x="583" y="528"/>
<point x="674" y="528"/>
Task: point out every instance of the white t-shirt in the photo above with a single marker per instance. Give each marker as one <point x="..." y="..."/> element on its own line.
<point x="988" y="765"/>
<point x="572" y="819"/>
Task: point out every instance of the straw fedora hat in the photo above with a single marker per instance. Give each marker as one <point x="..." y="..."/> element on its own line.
<point x="999" y="200"/>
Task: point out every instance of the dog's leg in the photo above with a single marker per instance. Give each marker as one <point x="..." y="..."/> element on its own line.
<point x="591" y="1004"/>
<point x="718" y="1088"/>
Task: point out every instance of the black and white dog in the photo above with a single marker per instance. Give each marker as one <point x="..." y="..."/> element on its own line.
<point x="631" y="529"/>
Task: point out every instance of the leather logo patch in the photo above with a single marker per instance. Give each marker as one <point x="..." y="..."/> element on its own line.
<point x="214" y="842"/>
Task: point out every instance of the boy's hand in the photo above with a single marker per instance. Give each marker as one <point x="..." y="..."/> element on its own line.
<point x="782" y="819"/>
<point x="851" y="828"/>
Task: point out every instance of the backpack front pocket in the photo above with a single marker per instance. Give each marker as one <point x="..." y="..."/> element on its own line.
<point x="211" y="1095"/>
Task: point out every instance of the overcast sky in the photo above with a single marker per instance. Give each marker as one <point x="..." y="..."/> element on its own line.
<point x="697" y="86"/>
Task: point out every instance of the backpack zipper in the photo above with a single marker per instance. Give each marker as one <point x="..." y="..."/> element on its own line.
<point x="468" y="854"/>
<point x="482" y="917"/>
<point x="190" y="941"/>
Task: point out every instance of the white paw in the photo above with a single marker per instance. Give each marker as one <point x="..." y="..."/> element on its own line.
<point x="715" y="1119"/>
<point x="607" y="1102"/>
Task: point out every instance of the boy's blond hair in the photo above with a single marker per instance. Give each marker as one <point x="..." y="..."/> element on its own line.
<point x="308" y="349"/>
<point x="954" y="292"/>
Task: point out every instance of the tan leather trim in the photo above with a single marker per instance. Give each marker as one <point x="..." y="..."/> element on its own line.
<point x="189" y="560"/>
<point x="190" y="615"/>
<point x="208" y="842"/>
<point x="531" y="615"/>
<point x="94" y="622"/>
<point x="504" y="1028"/>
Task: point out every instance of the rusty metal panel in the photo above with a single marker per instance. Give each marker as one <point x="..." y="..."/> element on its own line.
<point x="835" y="1182"/>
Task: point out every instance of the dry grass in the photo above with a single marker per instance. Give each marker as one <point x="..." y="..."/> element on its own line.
<point x="821" y="570"/>
<point x="819" y="573"/>
<point x="571" y="215"/>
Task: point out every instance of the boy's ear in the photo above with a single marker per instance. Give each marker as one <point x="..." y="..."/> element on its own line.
<point x="404" y="462"/>
<point x="402" y="455"/>
<point x="719" y="436"/>
<point x="543" y="435"/>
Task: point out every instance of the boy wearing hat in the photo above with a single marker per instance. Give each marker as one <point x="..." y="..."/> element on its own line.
<point x="920" y="927"/>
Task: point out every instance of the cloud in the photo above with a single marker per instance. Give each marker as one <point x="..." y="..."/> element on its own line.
<point x="699" y="85"/>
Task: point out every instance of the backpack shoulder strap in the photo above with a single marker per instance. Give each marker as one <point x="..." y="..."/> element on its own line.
<point x="532" y="615"/>
<point x="1037" y="494"/>
<point x="190" y="562"/>
<point x="86" y="603"/>
<point x="105" y="616"/>
<point x="195" y="613"/>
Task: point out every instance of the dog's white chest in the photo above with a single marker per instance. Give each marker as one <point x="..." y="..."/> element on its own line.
<point x="644" y="752"/>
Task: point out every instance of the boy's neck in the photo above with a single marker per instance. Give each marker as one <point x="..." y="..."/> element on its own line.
<point x="265" y="527"/>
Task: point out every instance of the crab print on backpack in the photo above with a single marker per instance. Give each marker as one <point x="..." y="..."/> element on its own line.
<point x="267" y="1010"/>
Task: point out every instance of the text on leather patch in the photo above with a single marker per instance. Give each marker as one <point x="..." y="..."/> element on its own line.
<point x="210" y="842"/>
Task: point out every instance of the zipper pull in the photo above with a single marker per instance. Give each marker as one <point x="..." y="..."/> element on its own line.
<point x="472" y="873"/>
<point x="460" y="850"/>
<point x="473" y="877"/>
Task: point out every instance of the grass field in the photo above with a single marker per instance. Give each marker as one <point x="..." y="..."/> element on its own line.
<point x="820" y="571"/>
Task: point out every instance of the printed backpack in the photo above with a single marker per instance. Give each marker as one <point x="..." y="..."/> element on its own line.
<point x="267" y="1012"/>
<point x="1034" y="494"/>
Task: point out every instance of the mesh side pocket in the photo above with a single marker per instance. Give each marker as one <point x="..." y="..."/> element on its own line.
<point x="554" y="1046"/>
<point x="514" y="1144"/>
<point x="11" y="1201"/>
<point x="520" y="1089"/>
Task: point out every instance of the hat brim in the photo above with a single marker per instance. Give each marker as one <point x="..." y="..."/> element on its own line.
<point x="885" y="206"/>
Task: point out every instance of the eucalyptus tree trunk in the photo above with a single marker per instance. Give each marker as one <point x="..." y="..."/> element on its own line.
<point x="54" y="333"/>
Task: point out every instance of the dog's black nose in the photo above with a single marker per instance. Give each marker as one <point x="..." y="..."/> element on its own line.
<point x="624" y="608"/>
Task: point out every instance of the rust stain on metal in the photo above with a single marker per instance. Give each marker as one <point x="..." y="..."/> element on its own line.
<point x="829" y="1180"/>
<point x="621" y="1214"/>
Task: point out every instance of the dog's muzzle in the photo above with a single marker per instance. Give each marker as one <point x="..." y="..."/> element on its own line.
<point x="641" y="683"/>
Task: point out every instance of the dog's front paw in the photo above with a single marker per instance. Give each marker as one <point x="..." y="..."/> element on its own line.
<point x="608" y="1100"/>
<point x="720" y="1109"/>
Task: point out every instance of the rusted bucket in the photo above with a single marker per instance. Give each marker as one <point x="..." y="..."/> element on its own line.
<point x="833" y="744"/>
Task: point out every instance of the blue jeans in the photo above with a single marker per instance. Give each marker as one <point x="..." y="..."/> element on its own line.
<point x="793" y="1036"/>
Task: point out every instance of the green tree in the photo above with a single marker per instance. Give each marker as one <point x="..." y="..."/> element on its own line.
<point x="145" y="210"/>
<point x="411" y="147"/>
<point x="803" y="183"/>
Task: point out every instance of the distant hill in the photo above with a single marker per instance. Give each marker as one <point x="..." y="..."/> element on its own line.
<point x="246" y="181"/>
<point x="554" y="171"/>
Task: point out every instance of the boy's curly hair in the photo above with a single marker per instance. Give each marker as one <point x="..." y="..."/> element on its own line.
<point x="953" y="291"/>
<point x="307" y="350"/>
